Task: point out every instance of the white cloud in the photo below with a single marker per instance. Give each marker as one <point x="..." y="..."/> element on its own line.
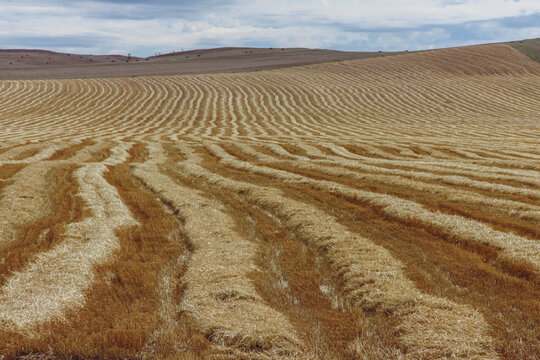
<point x="342" y="24"/>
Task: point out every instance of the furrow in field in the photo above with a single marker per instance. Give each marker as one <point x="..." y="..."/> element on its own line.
<point x="195" y="99"/>
<point x="300" y="107"/>
<point x="29" y="153"/>
<point x="38" y="203"/>
<point x="152" y="113"/>
<point x="217" y="113"/>
<point x="226" y="119"/>
<point x="488" y="167"/>
<point x="278" y="111"/>
<point x="71" y="151"/>
<point x="173" y="96"/>
<point x="171" y="107"/>
<point x="10" y="94"/>
<point x="83" y="118"/>
<point x="420" y="191"/>
<point x="386" y="168"/>
<point x="218" y="294"/>
<point x="248" y="102"/>
<point x="372" y="279"/>
<point x="517" y="179"/>
<point x="38" y="221"/>
<point x="23" y="201"/>
<point x="114" y="96"/>
<point x="407" y="98"/>
<point x="124" y="120"/>
<point x="68" y="99"/>
<point x="57" y="279"/>
<point x="514" y="247"/>
<point x="267" y="111"/>
<point x="77" y="119"/>
<point x="51" y="110"/>
<point x="291" y="279"/>
<point x="207" y="115"/>
<point x="484" y="183"/>
<point x="506" y="301"/>
<point x="320" y="105"/>
<point x="27" y="197"/>
<point x="123" y="310"/>
<point x="21" y="103"/>
<point x="61" y="109"/>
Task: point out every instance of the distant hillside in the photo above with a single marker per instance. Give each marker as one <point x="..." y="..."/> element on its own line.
<point x="22" y="64"/>
<point x="24" y="58"/>
<point x="530" y="47"/>
<point x="41" y="64"/>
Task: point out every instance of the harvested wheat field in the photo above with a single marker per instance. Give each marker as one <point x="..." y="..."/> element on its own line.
<point x="381" y="208"/>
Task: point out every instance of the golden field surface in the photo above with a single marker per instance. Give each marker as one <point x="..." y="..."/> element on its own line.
<point x="382" y="208"/>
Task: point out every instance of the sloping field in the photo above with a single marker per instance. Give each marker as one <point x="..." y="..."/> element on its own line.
<point x="40" y="64"/>
<point x="385" y="208"/>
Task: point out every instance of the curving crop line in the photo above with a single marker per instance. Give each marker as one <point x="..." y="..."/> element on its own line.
<point x="514" y="247"/>
<point x="219" y="294"/>
<point x="56" y="280"/>
<point x="373" y="278"/>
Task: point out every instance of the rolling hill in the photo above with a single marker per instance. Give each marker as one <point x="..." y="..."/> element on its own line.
<point x="41" y="64"/>
<point x="380" y="207"/>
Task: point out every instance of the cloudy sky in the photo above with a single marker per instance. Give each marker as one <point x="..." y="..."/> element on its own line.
<point x="144" y="27"/>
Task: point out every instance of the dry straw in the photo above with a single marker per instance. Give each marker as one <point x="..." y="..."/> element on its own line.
<point x="373" y="278"/>
<point x="219" y="294"/>
<point x="57" y="279"/>
<point x="514" y="247"/>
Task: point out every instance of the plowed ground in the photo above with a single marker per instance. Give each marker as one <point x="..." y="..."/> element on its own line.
<point x="384" y="208"/>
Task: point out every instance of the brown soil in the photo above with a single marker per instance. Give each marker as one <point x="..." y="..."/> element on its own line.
<point x="41" y="64"/>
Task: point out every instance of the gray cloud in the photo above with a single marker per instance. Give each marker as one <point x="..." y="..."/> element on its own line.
<point x="144" y="27"/>
<point x="140" y="9"/>
<point x="54" y="42"/>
